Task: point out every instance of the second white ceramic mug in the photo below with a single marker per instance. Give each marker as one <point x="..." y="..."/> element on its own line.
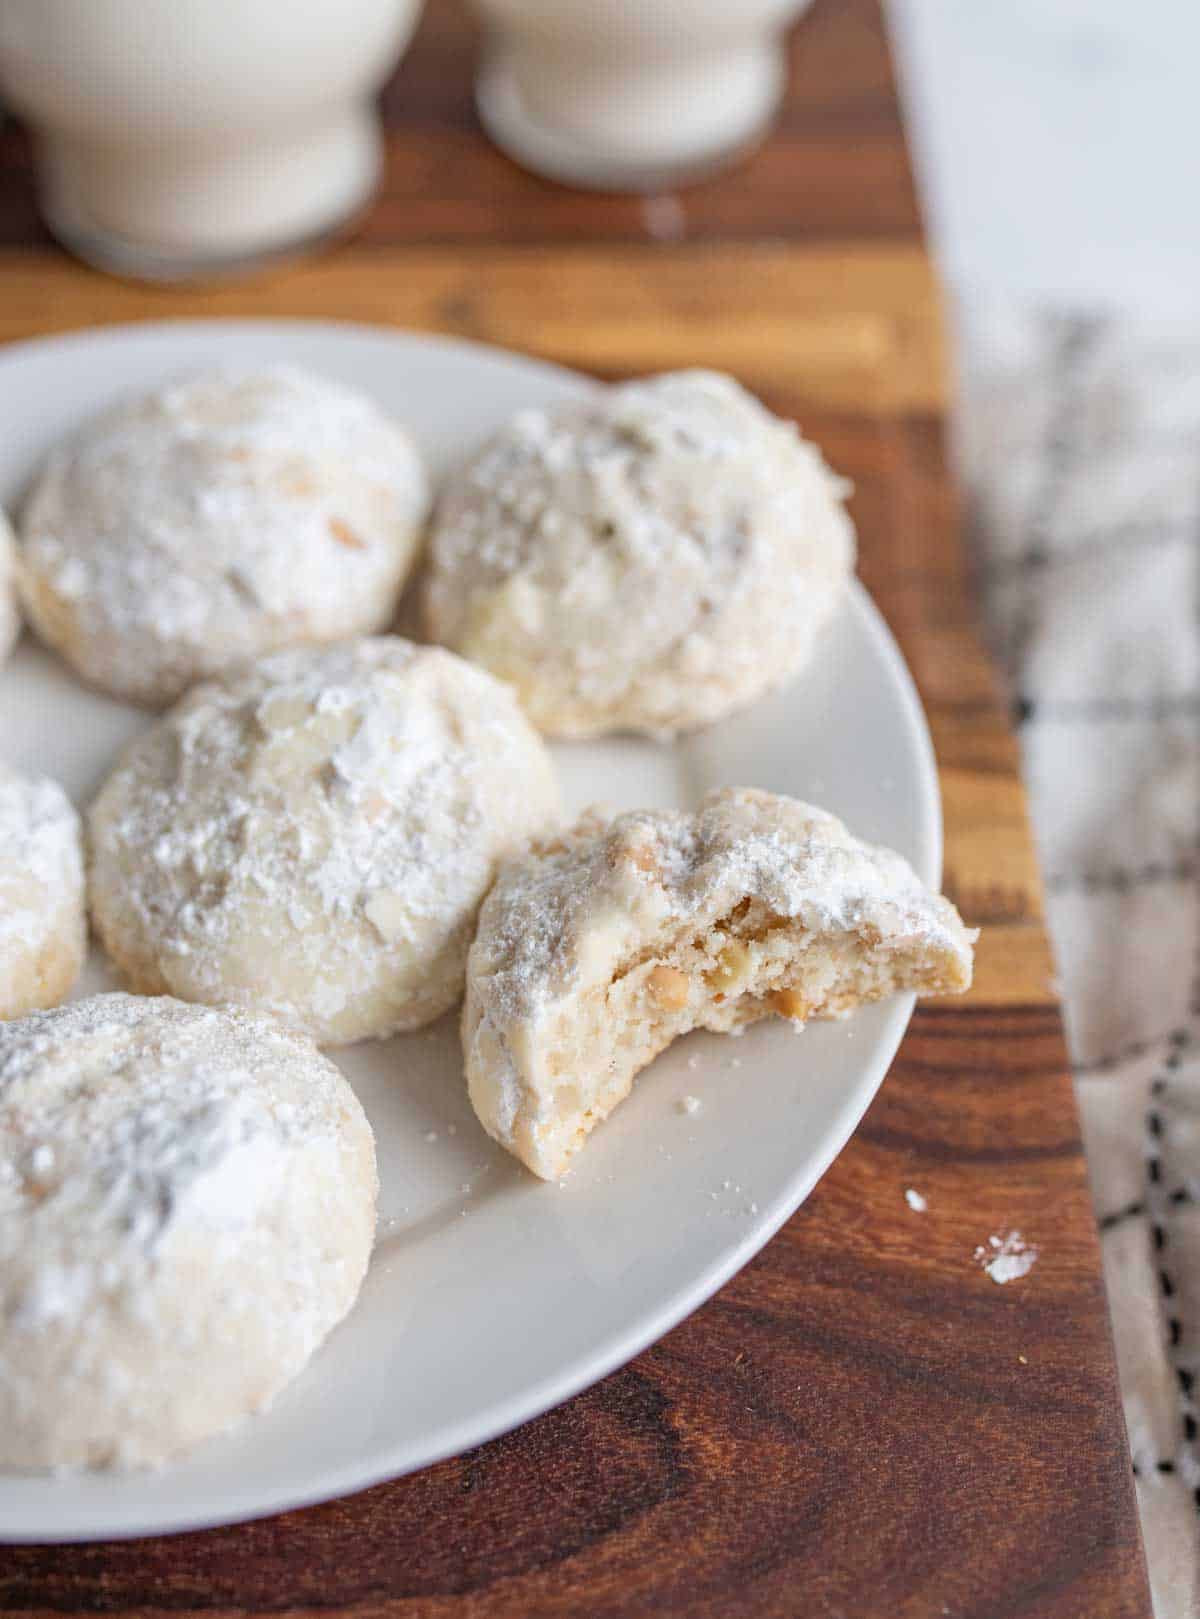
<point x="623" y="94"/>
<point x="176" y="137"/>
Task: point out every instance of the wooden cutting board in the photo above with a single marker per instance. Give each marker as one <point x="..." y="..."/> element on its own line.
<point x="862" y="1424"/>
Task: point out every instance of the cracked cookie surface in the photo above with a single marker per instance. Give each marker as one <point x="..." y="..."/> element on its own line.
<point x="647" y="560"/>
<point x="313" y="835"/>
<point x="43" y="925"/>
<point x="187" y="1208"/>
<point x="184" y="532"/>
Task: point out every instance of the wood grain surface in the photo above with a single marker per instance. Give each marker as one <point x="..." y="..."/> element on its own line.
<point x="862" y="1424"/>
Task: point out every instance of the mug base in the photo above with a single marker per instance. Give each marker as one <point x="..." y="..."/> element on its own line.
<point x="557" y="155"/>
<point x="137" y="261"/>
<point x="176" y="214"/>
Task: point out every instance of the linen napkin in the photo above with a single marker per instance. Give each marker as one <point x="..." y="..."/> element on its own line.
<point x="1080" y="440"/>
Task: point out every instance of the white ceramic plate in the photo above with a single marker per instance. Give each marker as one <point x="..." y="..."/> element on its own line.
<point x="493" y="1296"/>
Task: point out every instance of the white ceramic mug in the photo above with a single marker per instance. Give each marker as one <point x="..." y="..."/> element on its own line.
<point x="622" y="94"/>
<point x="178" y="137"/>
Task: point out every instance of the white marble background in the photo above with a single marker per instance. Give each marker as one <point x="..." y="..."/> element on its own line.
<point x="1058" y="147"/>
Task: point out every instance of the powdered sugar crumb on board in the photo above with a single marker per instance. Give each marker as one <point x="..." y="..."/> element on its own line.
<point x="915" y="1201"/>
<point x="1006" y="1258"/>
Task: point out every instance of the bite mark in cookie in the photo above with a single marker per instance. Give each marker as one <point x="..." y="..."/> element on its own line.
<point x="597" y="950"/>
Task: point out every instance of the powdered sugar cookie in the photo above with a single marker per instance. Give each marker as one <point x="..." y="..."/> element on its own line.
<point x="43" y="927"/>
<point x="313" y="835"/>
<point x="597" y="950"/>
<point x="10" y="618"/>
<point x="187" y="1208"/>
<point x="649" y="560"/>
<point x="214" y="520"/>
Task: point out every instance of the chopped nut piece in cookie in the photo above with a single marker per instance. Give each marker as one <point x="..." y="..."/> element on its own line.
<point x="669" y="988"/>
<point x="732" y="969"/>
<point x="345" y="535"/>
<point x="790" y="1003"/>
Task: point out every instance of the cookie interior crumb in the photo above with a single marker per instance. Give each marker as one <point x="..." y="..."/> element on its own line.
<point x="750" y="966"/>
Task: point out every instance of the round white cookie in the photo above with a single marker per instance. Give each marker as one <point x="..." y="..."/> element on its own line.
<point x="10" y="617"/>
<point x="595" y="951"/>
<point x="187" y="1208"/>
<point x="314" y="835"/>
<point x="214" y="520"/>
<point x="43" y="923"/>
<point x="647" y="561"/>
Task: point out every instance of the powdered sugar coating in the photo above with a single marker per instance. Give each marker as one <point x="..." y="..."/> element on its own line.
<point x="10" y="618"/>
<point x="313" y="836"/>
<point x="216" y="519"/>
<point x="648" y="560"/>
<point x="187" y="1208"/>
<point x="756" y="903"/>
<point x="43" y="929"/>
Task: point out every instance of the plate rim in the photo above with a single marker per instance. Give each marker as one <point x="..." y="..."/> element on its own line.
<point x="503" y="1417"/>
